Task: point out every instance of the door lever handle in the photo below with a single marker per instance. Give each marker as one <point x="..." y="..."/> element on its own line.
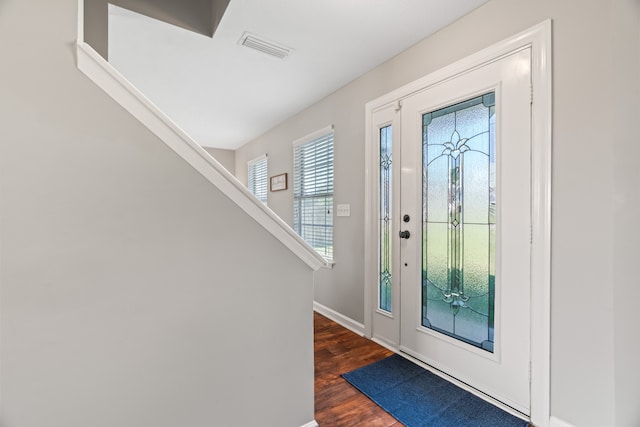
<point x="405" y="234"/>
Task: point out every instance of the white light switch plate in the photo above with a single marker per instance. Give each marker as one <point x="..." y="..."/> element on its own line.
<point x="343" y="210"/>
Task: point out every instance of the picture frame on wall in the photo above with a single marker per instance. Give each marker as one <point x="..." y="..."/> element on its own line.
<point x="278" y="182"/>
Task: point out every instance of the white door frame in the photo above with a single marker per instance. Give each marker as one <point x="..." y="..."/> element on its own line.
<point x="539" y="39"/>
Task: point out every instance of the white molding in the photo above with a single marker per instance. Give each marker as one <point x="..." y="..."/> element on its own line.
<point x="329" y="264"/>
<point x="80" y="21"/>
<point x="257" y="159"/>
<point x="465" y="65"/>
<point x="121" y="90"/>
<point x="557" y="422"/>
<point x="310" y="424"/>
<point x="314" y="135"/>
<point x="538" y="38"/>
<point x="341" y="319"/>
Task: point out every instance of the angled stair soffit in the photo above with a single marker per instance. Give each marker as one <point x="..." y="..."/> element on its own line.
<point x="199" y="16"/>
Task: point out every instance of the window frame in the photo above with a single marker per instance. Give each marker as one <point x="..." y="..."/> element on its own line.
<point x="253" y="188"/>
<point x="298" y="197"/>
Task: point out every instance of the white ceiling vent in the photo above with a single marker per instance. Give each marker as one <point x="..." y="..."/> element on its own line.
<point x="264" y="46"/>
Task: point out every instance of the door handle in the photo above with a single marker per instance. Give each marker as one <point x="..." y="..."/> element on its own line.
<point x="405" y="234"/>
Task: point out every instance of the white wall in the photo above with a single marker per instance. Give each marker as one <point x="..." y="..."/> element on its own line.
<point x="227" y="158"/>
<point x="596" y="201"/>
<point x="133" y="293"/>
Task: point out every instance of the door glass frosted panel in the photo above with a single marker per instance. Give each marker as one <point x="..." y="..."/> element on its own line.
<point x="458" y="220"/>
<point x="435" y="258"/>
<point x="437" y="203"/>
<point x="385" y="218"/>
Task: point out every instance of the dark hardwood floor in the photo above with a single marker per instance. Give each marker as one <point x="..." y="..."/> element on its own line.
<point x="338" y="403"/>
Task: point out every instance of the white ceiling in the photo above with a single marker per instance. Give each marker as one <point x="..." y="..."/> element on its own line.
<point x="224" y="95"/>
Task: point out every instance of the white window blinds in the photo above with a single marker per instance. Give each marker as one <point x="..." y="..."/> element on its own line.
<point x="313" y="192"/>
<point x="257" y="178"/>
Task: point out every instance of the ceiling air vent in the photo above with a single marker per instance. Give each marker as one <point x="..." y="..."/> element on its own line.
<point x="264" y="46"/>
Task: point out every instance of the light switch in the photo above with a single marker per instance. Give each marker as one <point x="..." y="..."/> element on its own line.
<point x="343" y="210"/>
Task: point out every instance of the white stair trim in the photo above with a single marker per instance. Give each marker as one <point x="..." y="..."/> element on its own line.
<point x="311" y="424"/>
<point x="128" y="96"/>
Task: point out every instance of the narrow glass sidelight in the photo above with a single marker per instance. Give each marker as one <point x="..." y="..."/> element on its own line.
<point x="458" y="220"/>
<point x="385" y="218"/>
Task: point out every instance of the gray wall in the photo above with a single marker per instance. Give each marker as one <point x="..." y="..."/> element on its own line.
<point x="96" y="25"/>
<point x="596" y="202"/>
<point x="227" y="158"/>
<point x="133" y="293"/>
<point x="624" y="201"/>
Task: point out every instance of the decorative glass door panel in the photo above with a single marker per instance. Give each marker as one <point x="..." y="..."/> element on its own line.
<point x="458" y="220"/>
<point x="386" y="238"/>
<point x="464" y="268"/>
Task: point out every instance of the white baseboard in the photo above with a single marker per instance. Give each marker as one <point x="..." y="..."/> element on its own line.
<point x="341" y="319"/>
<point x="557" y="422"/>
<point x="310" y="424"/>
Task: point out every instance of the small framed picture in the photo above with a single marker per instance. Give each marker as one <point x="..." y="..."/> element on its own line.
<point x="278" y="182"/>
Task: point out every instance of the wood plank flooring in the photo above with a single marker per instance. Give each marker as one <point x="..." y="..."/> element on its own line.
<point x="338" y="403"/>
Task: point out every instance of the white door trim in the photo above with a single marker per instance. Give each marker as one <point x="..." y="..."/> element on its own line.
<point x="539" y="39"/>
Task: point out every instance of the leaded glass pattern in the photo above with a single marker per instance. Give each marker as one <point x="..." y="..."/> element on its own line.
<point x="386" y="173"/>
<point x="458" y="219"/>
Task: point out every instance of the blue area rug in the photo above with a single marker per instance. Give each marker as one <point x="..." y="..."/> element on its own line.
<point x="417" y="397"/>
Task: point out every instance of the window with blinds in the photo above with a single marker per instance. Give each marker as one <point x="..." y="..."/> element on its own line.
<point x="313" y="191"/>
<point x="257" y="178"/>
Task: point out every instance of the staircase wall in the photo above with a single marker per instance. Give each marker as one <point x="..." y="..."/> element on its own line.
<point x="133" y="292"/>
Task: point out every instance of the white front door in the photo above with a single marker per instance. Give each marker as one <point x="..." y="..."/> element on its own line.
<point x="464" y="238"/>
